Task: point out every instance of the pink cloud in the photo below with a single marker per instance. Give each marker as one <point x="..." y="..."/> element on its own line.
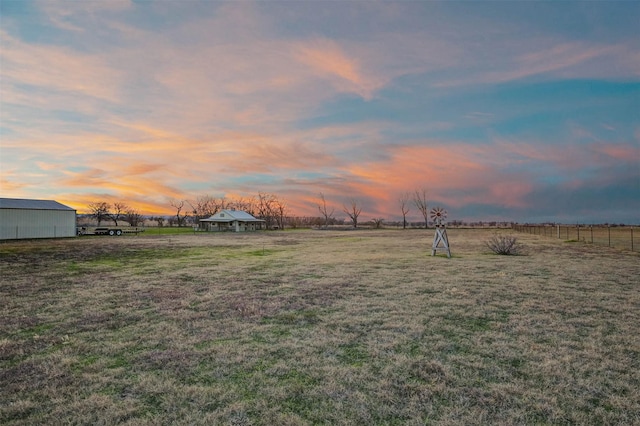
<point x="460" y="173"/>
<point x="57" y="68"/>
<point x="442" y="169"/>
<point x="617" y="152"/>
<point x="327" y="58"/>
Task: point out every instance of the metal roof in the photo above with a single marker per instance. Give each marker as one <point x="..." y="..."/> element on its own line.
<point x="230" y="216"/>
<point x="19" y="203"/>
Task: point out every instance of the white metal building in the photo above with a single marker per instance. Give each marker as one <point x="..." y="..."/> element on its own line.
<point x="21" y="219"/>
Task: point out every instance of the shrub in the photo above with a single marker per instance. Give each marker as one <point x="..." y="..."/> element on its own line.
<point x="505" y="245"/>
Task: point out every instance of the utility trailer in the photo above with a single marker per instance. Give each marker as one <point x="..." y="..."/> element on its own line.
<point x="111" y="231"/>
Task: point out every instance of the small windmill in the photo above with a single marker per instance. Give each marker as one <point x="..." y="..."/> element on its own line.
<point x="438" y="215"/>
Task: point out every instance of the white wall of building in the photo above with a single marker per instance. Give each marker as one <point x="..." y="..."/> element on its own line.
<point x="29" y="223"/>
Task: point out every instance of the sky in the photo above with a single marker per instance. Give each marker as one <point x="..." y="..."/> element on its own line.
<point x="507" y="111"/>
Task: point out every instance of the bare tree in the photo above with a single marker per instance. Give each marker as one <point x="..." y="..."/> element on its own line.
<point x="280" y="208"/>
<point x="245" y="204"/>
<point x="377" y="222"/>
<point x="118" y="211"/>
<point x="133" y="217"/>
<point x="265" y="207"/>
<point x="178" y="205"/>
<point x="322" y="207"/>
<point x="99" y="211"/>
<point x="222" y="203"/>
<point x="353" y="211"/>
<point x="206" y="206"/>
<point x="420" y="200"/>
<point x="404" y="207"/>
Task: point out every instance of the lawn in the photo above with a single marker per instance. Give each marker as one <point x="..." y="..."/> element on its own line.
<point x="317" y="327"/>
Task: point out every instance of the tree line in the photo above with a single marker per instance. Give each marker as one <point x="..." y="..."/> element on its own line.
<point x="353" y="208"/>
<point x="115" y="212"/>
<point x="266" y="206"/>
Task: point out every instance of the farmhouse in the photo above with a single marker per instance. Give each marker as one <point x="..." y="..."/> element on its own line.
<point x="232" y="220"/>
<point x="21" y="219"/>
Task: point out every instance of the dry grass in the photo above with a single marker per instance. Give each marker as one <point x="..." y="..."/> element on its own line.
<point x="360" y="327"/>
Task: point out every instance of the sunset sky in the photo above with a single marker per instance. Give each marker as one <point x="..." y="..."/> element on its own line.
<point x="523" y="111"/>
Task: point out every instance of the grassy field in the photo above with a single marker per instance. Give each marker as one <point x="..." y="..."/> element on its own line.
<point x="317" y="327"/>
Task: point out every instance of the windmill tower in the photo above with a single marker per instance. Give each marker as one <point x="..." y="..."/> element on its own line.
<point x="440" y="239"/>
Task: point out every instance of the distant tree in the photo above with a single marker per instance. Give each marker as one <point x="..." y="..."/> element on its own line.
<point x="133" y="217"/>
<point x="420" y="200"/>
<point x="280" y="208"/>
<point x="245" y="204"/>
<point x="404" y="207"/>
<point x="206" y="206"/>
<point x="99" y="211"/>
<point x="353" y="211"/>
<point x="265" y="208"/>
<point x="178" y="205"/>
<point x="296" y="222"/>
<point x="118" y="211"/>
<point x="377" y="222"/>
<point x="322" y="207"/>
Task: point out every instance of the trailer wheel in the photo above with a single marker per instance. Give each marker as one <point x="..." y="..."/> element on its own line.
<point x="111" y="232"/>
<point x="118" y="232"/>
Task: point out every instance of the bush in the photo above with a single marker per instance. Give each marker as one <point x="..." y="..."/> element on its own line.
<point x="505" y="245"/>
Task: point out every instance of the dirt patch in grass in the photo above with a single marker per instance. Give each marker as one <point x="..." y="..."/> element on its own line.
<point x="317" y="327"/>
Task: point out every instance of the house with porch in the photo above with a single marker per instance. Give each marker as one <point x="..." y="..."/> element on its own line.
<point x="232" y="220"/>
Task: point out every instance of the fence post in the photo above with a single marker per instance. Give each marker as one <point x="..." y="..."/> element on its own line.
<point x="558" y="231"/>
<point x="591" y="227"/>
<point x="632" y="238"/>
<point x="609" y="230"/>
<point x="578" y="228"/>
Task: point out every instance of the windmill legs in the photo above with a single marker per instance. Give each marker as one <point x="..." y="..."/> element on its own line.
<point x="440" y="237"/>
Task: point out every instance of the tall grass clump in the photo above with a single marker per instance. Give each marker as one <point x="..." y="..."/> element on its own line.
<point x="507" y="245"/>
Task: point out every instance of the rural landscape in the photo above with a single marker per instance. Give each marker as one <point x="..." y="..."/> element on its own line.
<point x="319" y="212"/>
<point x="317" y="327"/>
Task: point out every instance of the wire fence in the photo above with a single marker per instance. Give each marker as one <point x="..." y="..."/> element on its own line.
<point x="622" y="237"/>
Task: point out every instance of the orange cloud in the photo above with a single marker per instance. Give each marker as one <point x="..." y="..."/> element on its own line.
<point x="144" y="205"/>
<point x="327" y="58"/>
<point x="9" y="185"/>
